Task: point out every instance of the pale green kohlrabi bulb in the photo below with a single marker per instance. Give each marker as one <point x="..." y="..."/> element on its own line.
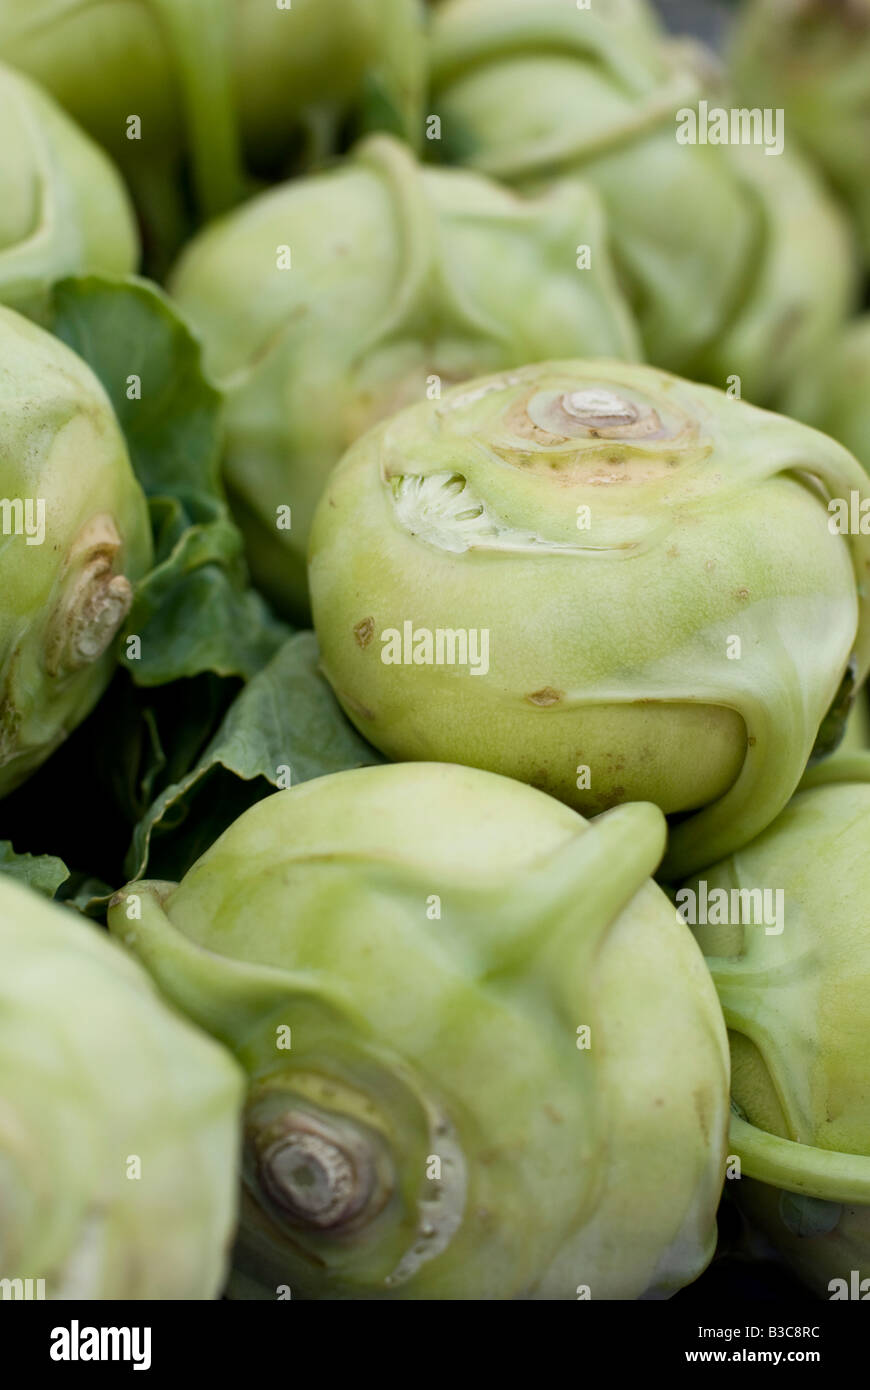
<point x="74" y="539"/>
<point x="485" y="1057"/>
<point x="811" y="58"/>
<point x="64" y="210"/>
<point x="737" y="261"/>
<point x="602" y="580"/>
<point x="785" y="924"/>
<point x="328" y="303"/>
<point x="118" y="1121"/>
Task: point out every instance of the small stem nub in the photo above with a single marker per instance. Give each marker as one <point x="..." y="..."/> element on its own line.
<point x="599" y="409"/>
<point x="318" y="1174"/>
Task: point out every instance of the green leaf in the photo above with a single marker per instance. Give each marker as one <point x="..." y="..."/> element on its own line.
<point x="285" y="718"/>
<point x="43" y="872"/>
<point x="195" y="611"/>
<point x="85" y="802"/>
<point x="203" y="629"/>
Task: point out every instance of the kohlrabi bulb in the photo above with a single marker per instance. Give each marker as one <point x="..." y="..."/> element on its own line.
<point x="602" y="580"/>
<point x="64" y="209"/>
<point x="330" y="302"/>
<point x="719" y="244"/>
<point x="118" y="1122"/>
<point x="74" y="539"/>
<point x="785" y="926"/>
<point x="485" y="1057"/>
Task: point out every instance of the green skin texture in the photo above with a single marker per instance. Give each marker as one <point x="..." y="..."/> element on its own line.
<point x="96" y="1070"/>
<point x="812" y="57"/>
<point x="456" y="1036"/>
<point x="608" y="646"/>
<point x="797" y="1006"/>
<point x="718" y="245"/>
<point x="64" y="210"/>
<point x="398" y="273"/>
<point x="64" y="600"/>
